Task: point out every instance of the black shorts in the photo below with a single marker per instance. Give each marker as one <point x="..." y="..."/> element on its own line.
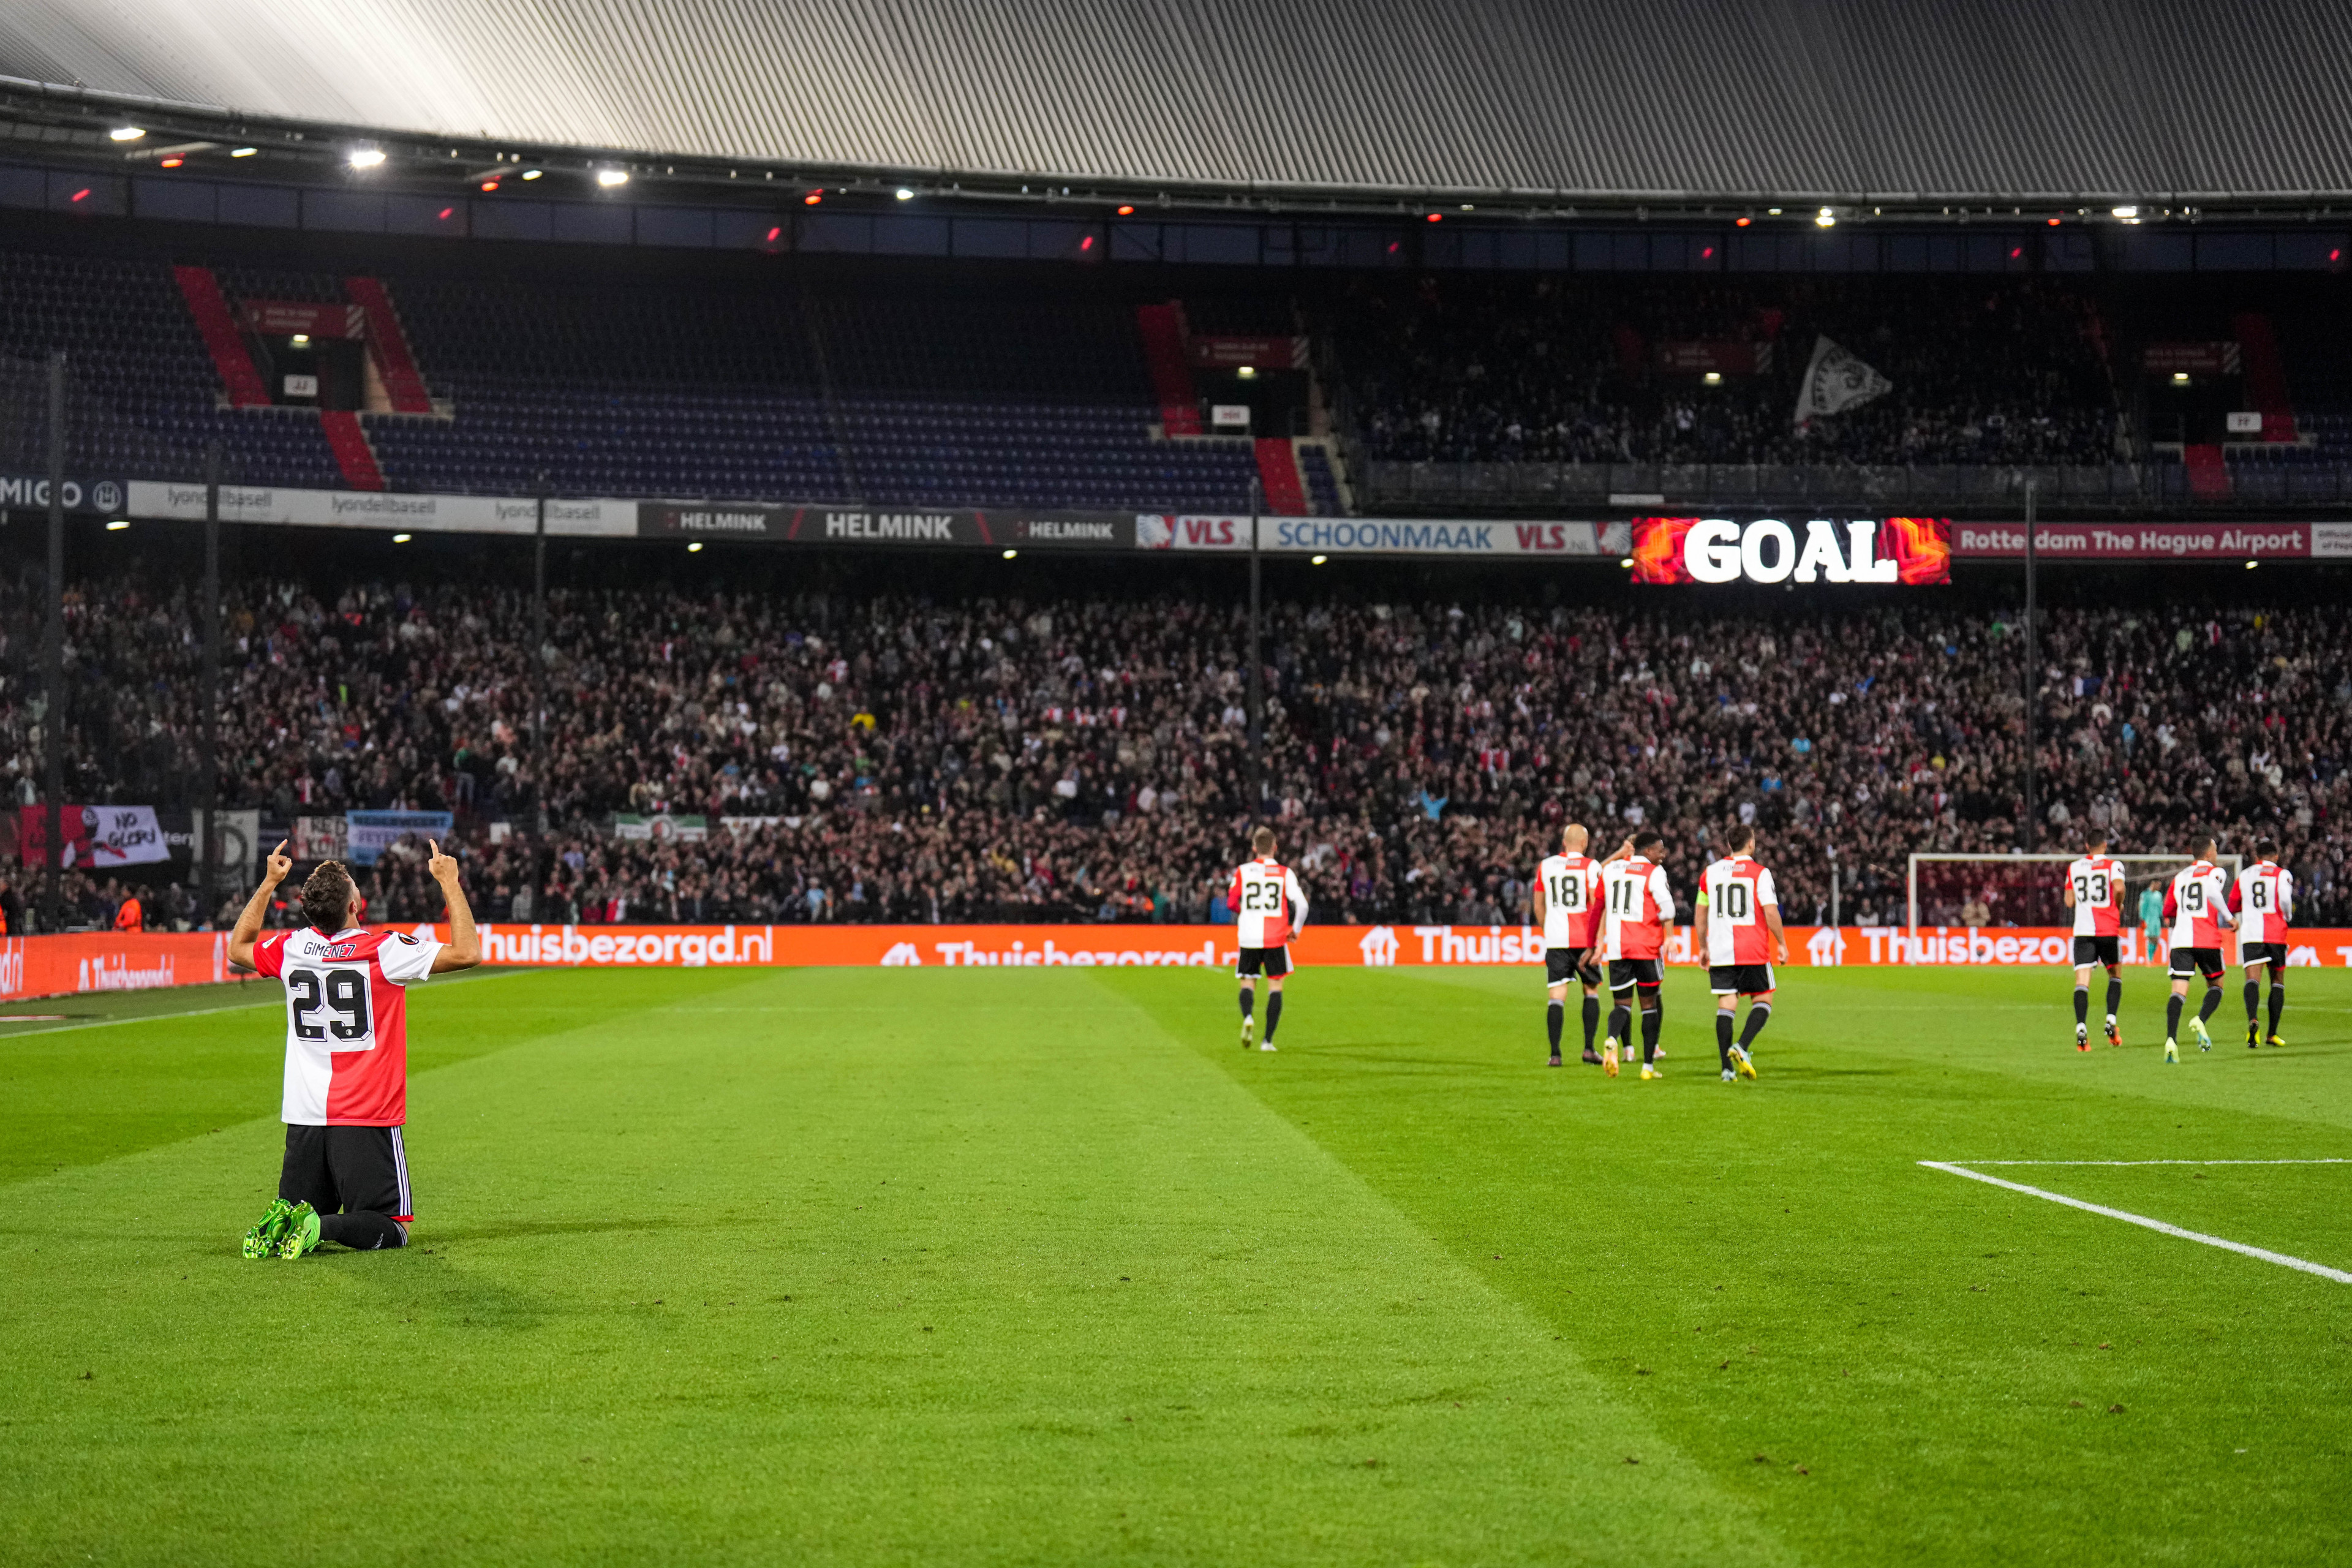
<point x="1739" y="979"/>
<point x="1272" y="962"/>
<point x="1562" y="964"/>
<point x="2204" y="960"/>
<point x="347" y="1170"/>
<point x="2091" y="950"/>
<point x="2271" y="952"/>
<point x="1624" y="973"/>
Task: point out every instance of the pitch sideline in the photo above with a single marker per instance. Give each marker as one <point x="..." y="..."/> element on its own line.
<point x="2282" y="1259"/>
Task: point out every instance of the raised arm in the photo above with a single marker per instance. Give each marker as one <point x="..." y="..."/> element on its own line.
<point x="249" y="922"/>
<point x="464" y="948"/>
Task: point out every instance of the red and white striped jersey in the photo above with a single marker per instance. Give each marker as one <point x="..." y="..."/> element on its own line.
<point x="1261" y="897"/>
<point x="2194" y="905"/>
<point x="1636" y="906"/>
<point x="2098" y="885"/>
<point x="346" y="1022"/>
<point x="2264" y="900"/>
<point x="1571" y="891"/>
<point x="1736" y="891"/>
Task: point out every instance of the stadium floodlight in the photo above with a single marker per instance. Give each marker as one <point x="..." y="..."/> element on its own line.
<point x="402" y="538"/>
<point x="612" y="178"/>
<point x="364" y="157"/>
<point x="118" y="525"/>
<point x="1825" y="218"/>
<point x="2127" y="211"/>
<point x="1318" y="560"/>
<point x="905" y="194"/>
<point x="2180" y="378"/>
<point x="243" y="152"/>
<point x="694" y="548"/>
<point x="125" y="134"/>
<point x="1713" y="378"/>
<point x="532" y="174"/>
<point x="301" y="339"/>
<point x="1127" y="211"/>
<point x="1010" y="553"/>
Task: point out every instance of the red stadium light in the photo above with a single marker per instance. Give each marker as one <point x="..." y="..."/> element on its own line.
<point x="1741" y="222"/>
<point x="79" y="194"/>
<point x="173" y="162"/>
<point x="446" y="213"/>
<point x="2015" y="251"/>
<point x="1707" y="254"/>
<point x="489" y="186"/>
<point x="1087" y="243"/>
<point x="1127" y="212"/>
<point x="1437" y="217"/>
<point x="1392" y="248"/>
<point x="2334" y="256"/>
<point x="813" y="198"/>
<point x="2053" y="222"/>
<point x="773" y="232"/>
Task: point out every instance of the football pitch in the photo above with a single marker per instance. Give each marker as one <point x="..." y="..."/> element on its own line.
<point x="1036" y="1266"/>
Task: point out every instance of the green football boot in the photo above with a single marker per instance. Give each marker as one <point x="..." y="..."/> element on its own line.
<point x="301" y="1232"/>
<point x="2204" y="1037"/>
<point x="269" y="1230"/>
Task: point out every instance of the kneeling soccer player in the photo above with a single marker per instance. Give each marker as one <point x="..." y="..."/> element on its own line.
<point x="345" y="1177"/>
<point x="1738" y="927"/>
<point x="2197" y="909"/>
<point x="1636" y="906"/>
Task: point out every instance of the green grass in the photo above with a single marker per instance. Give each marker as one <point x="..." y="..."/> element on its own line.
<point x="1035" y="1266"/>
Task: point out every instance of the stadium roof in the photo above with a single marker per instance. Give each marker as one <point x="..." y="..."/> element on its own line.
<point x="1521" y="100"/>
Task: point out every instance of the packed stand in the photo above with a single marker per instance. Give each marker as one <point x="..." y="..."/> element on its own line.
<point x="896" y="759"/>
<point x="1476" y="369"/>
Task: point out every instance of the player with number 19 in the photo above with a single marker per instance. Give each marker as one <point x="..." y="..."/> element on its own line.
<point x="2197" y="908"/>
<point x="345" y="1175"/>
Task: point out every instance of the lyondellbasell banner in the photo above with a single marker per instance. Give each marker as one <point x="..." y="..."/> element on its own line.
<point x="1769" y="550"/>
<point x="61" y="965"/>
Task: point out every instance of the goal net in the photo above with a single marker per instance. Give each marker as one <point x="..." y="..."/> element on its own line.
<point x="2026" y="889"/>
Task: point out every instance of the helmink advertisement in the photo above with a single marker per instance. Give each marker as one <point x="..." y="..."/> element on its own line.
<point x="65" y="965"/>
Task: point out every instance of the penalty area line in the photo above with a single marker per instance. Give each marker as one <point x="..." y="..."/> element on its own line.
<point x="2282" y="1259"/>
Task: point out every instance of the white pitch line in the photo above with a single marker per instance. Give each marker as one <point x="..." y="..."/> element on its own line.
<point x="2320" y="1162"/>
<point x="2281" y="1258"/>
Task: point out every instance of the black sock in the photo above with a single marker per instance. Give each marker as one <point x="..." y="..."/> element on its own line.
<point x="2115" y="994"/>
<point x="2253" y="1003"/>
<point x="1247" y="996"/>
<point x="2172" y="1017"/>
<point x="2082" y="1006"/>
<point x="1555" y="1014"/>
<point x="1591" y="1019"/>
<point x="2278" y="1005"/>
<point x="1650" y="1022"/>
<point x="1273" y="1014"/>
<point x="1758" y="1014"/>
<point x="2211" y="1005"/>
<point x="362" y="1231"/>
<point x="1621" y="1019"/>
<point x="1723" y="1035"/>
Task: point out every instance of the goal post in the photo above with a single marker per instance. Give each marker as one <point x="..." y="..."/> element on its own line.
<point x="2025" y="890"/>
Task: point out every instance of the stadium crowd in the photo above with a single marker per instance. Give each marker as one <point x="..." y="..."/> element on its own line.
<point x="1086" y="759"/>
<point x="1509" y="370"/>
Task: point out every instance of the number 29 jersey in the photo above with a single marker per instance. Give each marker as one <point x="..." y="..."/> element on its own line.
<point x="346" y="1022"/>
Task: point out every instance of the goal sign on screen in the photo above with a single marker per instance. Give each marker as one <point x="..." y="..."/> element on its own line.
<point x="1770" y="550"/>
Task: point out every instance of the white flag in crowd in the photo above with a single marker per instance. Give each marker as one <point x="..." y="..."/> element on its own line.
<point x="1835" y="381"/>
